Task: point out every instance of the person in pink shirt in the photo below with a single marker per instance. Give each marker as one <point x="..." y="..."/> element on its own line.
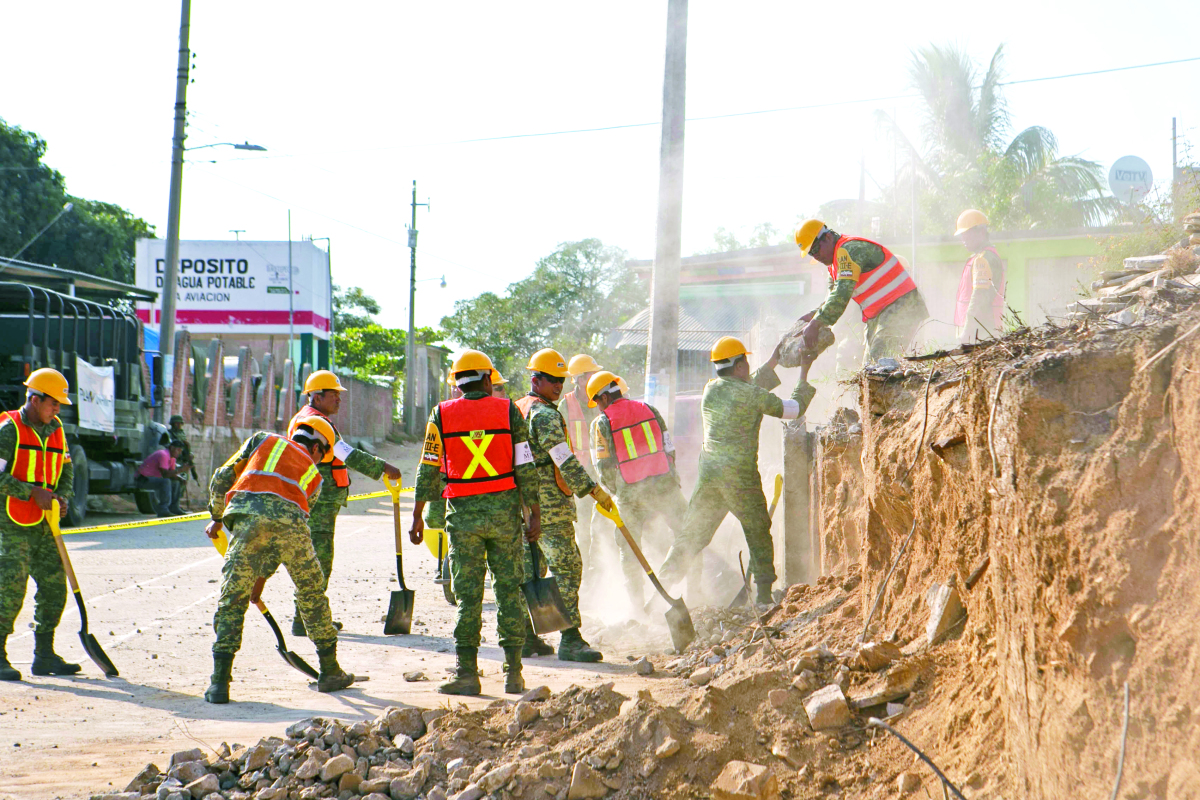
<point x="157" y="472"/>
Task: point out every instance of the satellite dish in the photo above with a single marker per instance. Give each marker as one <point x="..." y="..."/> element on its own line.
<point x="1130" y="179"/>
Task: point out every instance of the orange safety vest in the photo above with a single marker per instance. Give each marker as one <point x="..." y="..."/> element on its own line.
<point x="341" y="475"/>
<point x="637" y="440"/>
<point x="880" y="287"/>
<point x="577" y="429"/>
<point x="525" y="404"/>
<point x="36" y="462"/>
<point x="280" y="467"/>
<point x="477" y="446"/>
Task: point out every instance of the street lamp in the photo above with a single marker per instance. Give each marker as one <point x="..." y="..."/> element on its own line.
<point x="329" y="264"/>
<point x="66" y="207"/>
<point x="258" y="148"/>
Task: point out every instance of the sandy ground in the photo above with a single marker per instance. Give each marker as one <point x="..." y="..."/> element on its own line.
<point x="151" y="593"/>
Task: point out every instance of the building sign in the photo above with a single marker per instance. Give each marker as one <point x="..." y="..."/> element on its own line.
<point x="240" y="286"/>
<point x="95" y="391"/>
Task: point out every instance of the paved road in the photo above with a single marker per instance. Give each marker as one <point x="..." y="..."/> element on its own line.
<point x="151" y="594"/>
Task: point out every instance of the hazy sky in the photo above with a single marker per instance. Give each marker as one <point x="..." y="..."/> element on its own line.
<point x="356" y="100"/>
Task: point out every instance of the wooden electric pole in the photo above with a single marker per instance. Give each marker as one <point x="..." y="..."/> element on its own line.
<point x="662" y="354"/>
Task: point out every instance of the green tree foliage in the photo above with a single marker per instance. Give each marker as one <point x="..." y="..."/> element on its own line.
<point x="764" y="234"/>
<point x="372" y="350"/>
<point x="573" y="300"/>
<point x="94" y="237"/>
<point x="353" y="308"/>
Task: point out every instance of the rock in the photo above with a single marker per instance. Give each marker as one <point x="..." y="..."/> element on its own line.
<point x="548" y="771"/>
<point x="793" y="352"/>
<point x="407" y="721"/>
<point x="537" y="694"/>
<point x="431" y="714"/>
<point x="202" y="787"/>
<point x="415" y="675"/>
<point x="409" y="786"/>
<point x="472" y="792"/>
<point x="945" y="609"/>
<point x="585" y="783"/>
<point x="827" y="708"/>
<point x="777" y="697"/>
<point x="148" y="773"/>
<point x="908" y="782"/>
<point x="375" y="796"/>
<point x="308" y="770"/>
<point x="167" y="787"/>
<point x="256" y="758"/>
<point x="435" y="793"/>
<point x="804" y="663"/>
<point x="454" y="764"/>
<point x="336" y="767"/>
<point x="349" y="782"/>
<point x="404" y="743"/>
<point x="806" y="681"/>
<point x="524" y="714"/>
<point x="873" y="656"/>
<point x="271" y="793"/>
<point x="532" y="751"/>
<point x="668" y="748"/>
<point x="124" y="796"/>
<point x="893" y="709"/>
<point x="643" y="666"/>
<point x="741" y="780"/>
<point x="498" y="778"/>
<point x="188" y="771"/>
<point x="374" y="785"/>
<point x="183" y="756"/>
<point x="702" y="676"/>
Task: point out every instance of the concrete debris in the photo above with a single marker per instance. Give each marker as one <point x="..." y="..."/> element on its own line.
<point x="415" y="675"/>
<point x="778" y="697"/>
<point x="585" y="783"/>
<point x="498" y="778"/>
<point x="143" y="778"/>
<point x="187" y="771"/>
<point x="336" y="767"/>
<point x="827" y="708"/>
<point x="404" y="743"/>
<point x="894" y="709"/>
<point x="874" y="656"/>
<point x="668" y="748"/>
<point x="908" y="782"/>
<point x="741" y="780"/>
<point x="537" y="694"/>
<point x="643" y="666"/>
<point x="525" y="713"/>
<point x="806" y="682"/>
<point x="472" y="792"/>
<point x="702" y="676"/>
<point x="203" y="787"/>
<point x="793" y="352"/>
<point x="195" y="754"/>
<point x="945" y="610"/>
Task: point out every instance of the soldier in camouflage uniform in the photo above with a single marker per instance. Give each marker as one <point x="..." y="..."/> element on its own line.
<point x="477" y="458"/>
<point x="561" y="478"/>
<point x="27" y="546"/>
<point x="263" y="495"/>
<point x="872" y="276"/>
<point x="324" y="399"/>
<point x="639" y="497"/>
<point x="732" y="408"/>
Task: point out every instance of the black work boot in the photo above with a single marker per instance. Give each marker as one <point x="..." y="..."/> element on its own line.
<point x="46" y="661"/>
<point x="514" y="683"/>
<point x="332" y="677"/>
<point x="218" y="690"/>
<point x="298" y="626"/>
<point x="572" y="647"/>
<point x="763" y="596"/>
<point x="534" y="644"/>
<point x="7" y="671"/>
<point x="466" y="678"/>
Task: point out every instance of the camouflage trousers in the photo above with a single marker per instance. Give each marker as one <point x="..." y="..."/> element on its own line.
<point x="257" y="547"/>
<point x="322" y="542"/>
<point x="488" y="539"/>
<point x="892" y="331"/>
<point x="638" y="511"/>
<point x="23" y="553"/>
<point x="717" y="493"/>
<point x="561" y="555"/>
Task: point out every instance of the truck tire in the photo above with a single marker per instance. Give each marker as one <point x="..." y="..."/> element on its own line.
<point x="77" y="507"/>
<point x="145" y="500"/>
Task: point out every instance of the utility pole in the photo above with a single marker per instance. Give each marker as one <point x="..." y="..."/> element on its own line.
<point x="166" y="335"/>
<point x="410" y="346"/>
<point x="862" y="192"/>
<point x="291" y="295"/>
<point x="662" y="354"/>
<point x="1174" y="164"/>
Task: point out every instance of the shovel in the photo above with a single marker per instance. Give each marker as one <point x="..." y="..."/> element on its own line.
<point x="546" y="607"/>
<point x="679" y="621"/>
<point x="90" y="645"/>
<point x="743" y="593"/>
<point x="400" y="608"/>
<point x="443" y="567"/>
<point x="222" y="544"/>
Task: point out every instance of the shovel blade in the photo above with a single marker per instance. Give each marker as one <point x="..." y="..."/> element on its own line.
<point x="546" y="607"/>
<point x="97" y="654"/>
<point x="740" y="598"/>
<point x="299" y="663"/>
<point x="399" y="613"/>
<point x="679" y="623"/>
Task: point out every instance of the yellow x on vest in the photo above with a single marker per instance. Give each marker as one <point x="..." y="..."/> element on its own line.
<point x="478" y="443"/>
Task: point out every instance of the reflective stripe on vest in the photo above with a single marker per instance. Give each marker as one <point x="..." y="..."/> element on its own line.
<point x="882" y="286"/>
<point x="279" y="467"/>
<point x="341" y="474"/>
<point x="577" y="428"/>
<point x="35" y="462"/>
<point x="525" y="404"/>
<point x="637" y="440"/>
<point x="477" y="447"/>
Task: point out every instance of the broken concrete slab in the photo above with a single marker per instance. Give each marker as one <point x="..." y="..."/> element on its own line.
<point x="945" y="610"/>
<point x="874" y="656"/>
<point x="827" y="708"/>
<point x="585" y="783"/>
<point x="741" y="780"/>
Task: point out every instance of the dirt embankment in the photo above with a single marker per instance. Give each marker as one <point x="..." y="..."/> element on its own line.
<point x="1065" y="462"/>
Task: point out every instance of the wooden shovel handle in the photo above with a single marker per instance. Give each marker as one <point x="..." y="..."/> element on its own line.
<point x="256" y="592"/>
<point x="52" y="517"/>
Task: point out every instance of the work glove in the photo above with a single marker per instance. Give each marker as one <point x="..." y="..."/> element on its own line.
<point x="602" y="498"/>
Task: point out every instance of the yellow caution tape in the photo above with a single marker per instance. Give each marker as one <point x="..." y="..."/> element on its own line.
<point x="202" y="515"/>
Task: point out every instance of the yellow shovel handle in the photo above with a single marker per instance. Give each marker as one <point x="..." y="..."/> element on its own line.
<point x="613" y="515"/>
<point x="393" y="488"/>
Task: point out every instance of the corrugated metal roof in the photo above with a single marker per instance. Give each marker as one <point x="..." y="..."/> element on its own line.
<point x="702" y="320"/>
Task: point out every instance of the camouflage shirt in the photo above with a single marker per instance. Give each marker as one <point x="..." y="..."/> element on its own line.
<point x="462" y="513"/>
<point x="732" y="411"/>
<point x="261" y="505"/>
<point x="866" y="256"/>
<point x="548" y="440"/>
<point x="603" y="451"/>
<point x="11" y="486"/>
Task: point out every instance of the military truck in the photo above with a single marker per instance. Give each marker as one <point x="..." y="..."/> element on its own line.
<point x="50" y="317"/>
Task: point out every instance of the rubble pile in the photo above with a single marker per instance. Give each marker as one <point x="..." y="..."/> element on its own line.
<point x="1191" y="227"/>
<point x="1135" y="294"/>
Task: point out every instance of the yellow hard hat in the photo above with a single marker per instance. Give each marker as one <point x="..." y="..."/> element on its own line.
<point x="807" y="232"/>
<point x="624" y="386"/>
<point x="548" y="361"/>
<point x="321" y="426"/>
<point x="471" y="360"/>
<point x="323" y="381"/>
<point x="582" y="363"/>
<point x="597" y="383"/>
<point x="497" y="378"/>
<point x="970" y="219"/>
<point x="51" y="383"/>
<point x="726" y="348"/>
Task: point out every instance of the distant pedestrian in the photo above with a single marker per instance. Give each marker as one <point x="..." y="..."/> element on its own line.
<point x="157" y="474"/>
<point x="979" y="305"/>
